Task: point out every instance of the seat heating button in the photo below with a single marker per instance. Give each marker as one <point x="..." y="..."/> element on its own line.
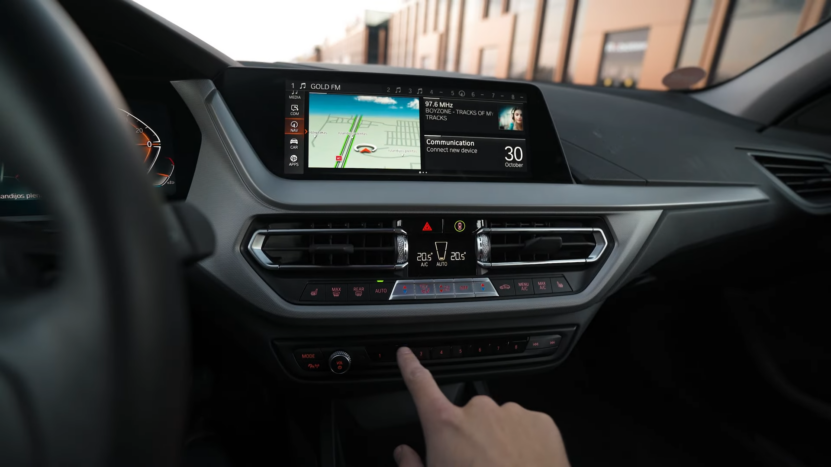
<point x="560" y="285"/>
<point x="313" y="292"/>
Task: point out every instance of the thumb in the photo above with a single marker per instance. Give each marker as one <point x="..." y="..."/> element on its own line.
<point x="405" y="456"/>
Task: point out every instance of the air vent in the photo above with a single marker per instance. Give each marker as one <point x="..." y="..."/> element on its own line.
<point x="343" y="245"/>
<point x="521" y="243"/>
<point x="808" y="178"/>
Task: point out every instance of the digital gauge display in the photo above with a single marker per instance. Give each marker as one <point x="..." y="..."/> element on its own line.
<point x="159" y="167"/>
<point x="17" y="198"/>
<point x="441" y="247"/>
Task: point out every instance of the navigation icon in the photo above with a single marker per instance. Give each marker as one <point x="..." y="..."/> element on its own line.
<point x="366" y="148"/>
<point x="461" y="94"/>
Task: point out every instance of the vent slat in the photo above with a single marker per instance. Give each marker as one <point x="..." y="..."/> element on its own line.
<point x="808" y="178"/>
<point x="510" y="247"/>
<point x="376" y="250"/>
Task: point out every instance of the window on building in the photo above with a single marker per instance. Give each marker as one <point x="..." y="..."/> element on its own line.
<point x="452" y="41"/>
<point x="695" y="33"/>
<point x="487" y="61"/>
<point x="494" y="8"/>
<point x="524" y="28"/>
<point x="622" y="59"/>
<point x="756" y="29"/>
<point x="441" y="15"/>
<point x="429" y="18"/>
<point x="472" y="16"/>
<point x="576" y="35"/>
<point x="553" y="22"/>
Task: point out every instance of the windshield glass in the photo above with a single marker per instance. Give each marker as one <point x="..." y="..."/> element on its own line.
<point x="613" y="43"/>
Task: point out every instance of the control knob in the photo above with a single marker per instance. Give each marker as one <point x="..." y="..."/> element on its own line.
<point x="339" y="362"/>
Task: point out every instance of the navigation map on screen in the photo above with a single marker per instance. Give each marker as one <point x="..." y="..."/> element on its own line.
<point x="364" y="132"/>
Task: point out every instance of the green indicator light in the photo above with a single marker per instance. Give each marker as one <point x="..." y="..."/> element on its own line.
<point x="379" y="281"/>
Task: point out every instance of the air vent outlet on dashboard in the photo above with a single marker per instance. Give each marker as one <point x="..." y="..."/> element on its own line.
<point x="809" y="178"/>
<point x="342" y="245"/>
<point x="524" y="243"/>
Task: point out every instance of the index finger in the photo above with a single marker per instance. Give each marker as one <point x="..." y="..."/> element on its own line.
<point x="429" y="399"/>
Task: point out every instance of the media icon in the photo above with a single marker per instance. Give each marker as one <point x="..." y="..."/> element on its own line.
<point x="302" y="85"/>
<point x="441" y="250"/>
<point x="398" y="90"/>
<point x="418" y="91"/>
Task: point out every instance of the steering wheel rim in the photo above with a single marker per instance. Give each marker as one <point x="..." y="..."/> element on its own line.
<point x="93" y="369"/>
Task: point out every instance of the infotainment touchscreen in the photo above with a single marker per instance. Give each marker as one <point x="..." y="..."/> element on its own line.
<point x="418" y="130"/>
<point x="314" y="124"/>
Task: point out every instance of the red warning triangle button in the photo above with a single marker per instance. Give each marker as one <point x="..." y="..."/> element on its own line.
<point x="427" y="227"/>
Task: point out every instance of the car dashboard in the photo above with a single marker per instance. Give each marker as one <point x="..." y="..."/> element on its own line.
<point x="481" y="222"/>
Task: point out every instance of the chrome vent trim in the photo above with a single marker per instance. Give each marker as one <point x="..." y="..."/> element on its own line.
<point x="483" y="242"/>
<point x="259" y="237"/>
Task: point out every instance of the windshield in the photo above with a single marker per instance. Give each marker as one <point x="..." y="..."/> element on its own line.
<point x="612" y="43"/>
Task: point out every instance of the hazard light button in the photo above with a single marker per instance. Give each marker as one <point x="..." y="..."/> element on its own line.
<point x="429" y="225"/>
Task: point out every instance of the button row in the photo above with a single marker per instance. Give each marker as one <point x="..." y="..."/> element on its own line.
<point x="347" y="292"/>
<point x="439" y="289"/>
<point x="532" y="286"/>
<point x="386" y="353"/>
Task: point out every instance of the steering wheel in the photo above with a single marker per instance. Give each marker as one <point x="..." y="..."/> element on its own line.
<point x="93" y="368"/>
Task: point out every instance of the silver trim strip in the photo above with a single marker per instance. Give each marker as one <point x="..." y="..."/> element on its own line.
<point x="255" y="247"/>
<point x="599" y="237"/>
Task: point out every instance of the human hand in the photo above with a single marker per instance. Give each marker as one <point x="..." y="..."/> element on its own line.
<point x="481" y="433"/>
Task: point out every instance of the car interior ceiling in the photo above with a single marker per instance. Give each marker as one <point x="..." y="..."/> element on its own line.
<point x="649" y="269"/>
